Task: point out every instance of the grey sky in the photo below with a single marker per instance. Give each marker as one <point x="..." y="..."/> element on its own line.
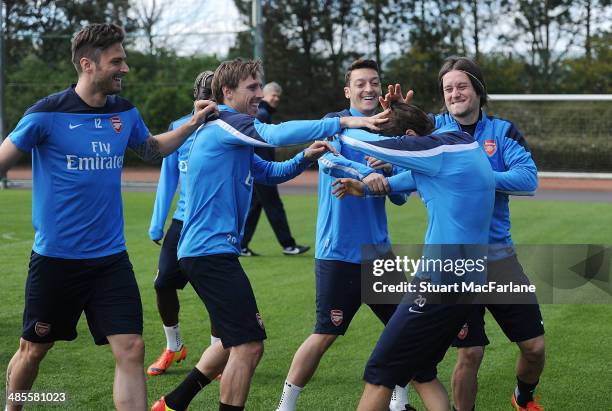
<point x="195" y="26"/>
<point x="209" y="26"/>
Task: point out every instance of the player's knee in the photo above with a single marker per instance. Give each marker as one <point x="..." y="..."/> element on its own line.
<point x="251" y="350"/>
<point x="324" y="341"/>
<point x="470" y="357"/>
<point x="33" y="352"/>
<point x="129" y="348"/>
<point x="533" y="350"/>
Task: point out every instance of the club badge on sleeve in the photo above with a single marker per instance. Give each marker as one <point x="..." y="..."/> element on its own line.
<point x="490" y="147"/>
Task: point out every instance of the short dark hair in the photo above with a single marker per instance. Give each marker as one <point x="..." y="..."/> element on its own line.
<point x="90" y="41"/>
<point x="231" y="72"/>
<point x="407" y="116"/>
<point x="471" y="69"/>
<point x="202" y="87"/>
<point x="359" y="64"/>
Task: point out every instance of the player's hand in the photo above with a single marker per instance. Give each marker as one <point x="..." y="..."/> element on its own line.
<point x="372" y="123"/>
<point x="348" y="186"/>
<point x="317" y="149"/>
<point x="394" y="95"/>
<point x="379" y="164"/>
<point x="377" y="184"/>
<point x="202" y="109"/>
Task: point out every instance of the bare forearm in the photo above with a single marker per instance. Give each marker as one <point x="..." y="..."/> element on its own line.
<point x="161" y="145"/>
<point x="166" y="143"/>
<point x="169" y="141"/>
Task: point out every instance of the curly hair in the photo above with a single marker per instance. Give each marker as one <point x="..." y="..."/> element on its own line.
<point x="202" y="87"/>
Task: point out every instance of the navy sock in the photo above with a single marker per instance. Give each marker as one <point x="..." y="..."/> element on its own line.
<point x="227" y="407"/>
<point x="182" y="395"/>
<point x="524" y="392"/>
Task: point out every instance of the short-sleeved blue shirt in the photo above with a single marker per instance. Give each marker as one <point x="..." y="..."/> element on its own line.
<point x="77" y="158"/>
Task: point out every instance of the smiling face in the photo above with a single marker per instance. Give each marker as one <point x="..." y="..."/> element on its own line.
<point x="460" y="97"/>
<point x="107" y="73"/>
<point x="246" y="97"/>
<point x="363" y="90"/>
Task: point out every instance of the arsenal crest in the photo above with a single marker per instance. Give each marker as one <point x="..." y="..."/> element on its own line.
<point x="116" y="123"/>
<point x="464" y="332"/>
<point x="336" y="317"/>
<point x="42" y="329"/>
<point x="490" y="147"/>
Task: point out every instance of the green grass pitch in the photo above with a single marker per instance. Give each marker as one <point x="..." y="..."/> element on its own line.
<point x="578" y="373"/>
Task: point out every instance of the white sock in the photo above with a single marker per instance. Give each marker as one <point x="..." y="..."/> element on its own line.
<point x="291" y="392"/>
<point x="399" y="398"/>
<point x="174" y="342"/>
<point x="214" y="339"/>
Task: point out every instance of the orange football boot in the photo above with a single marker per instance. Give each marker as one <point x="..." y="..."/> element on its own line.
<point x="165" y="360"/>
<point x="160" y="405"/>
<point x="531" y="405"/>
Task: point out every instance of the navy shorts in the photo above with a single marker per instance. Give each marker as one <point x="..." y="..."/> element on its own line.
<point x="338" y="286"/>
<point x="58" y="290"/>
<point x="414" y="342"/>
<point x="226" y="292"/>
<point x="520" y="322"/>
<point x="169" y="274"/>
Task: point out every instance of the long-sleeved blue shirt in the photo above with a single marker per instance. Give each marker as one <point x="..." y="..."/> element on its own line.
<point x="221" y="169"/>
<point x="344" y="226"/>
<point x="173" y="170"/>
<point x="451" y="174"/>
<point x="513" y="168"/>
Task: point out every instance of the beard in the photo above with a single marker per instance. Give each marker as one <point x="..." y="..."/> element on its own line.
<point x="107" y="86"/>
<point x="465" y="111"/>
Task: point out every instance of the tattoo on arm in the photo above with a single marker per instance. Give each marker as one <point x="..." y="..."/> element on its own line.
<point x="149" y="150"/>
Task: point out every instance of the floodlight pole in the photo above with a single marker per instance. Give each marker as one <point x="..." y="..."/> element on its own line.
<point x="256" y="21"/>
<point x="3" y="182"/>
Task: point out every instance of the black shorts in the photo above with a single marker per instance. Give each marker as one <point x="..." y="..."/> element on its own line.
<point x="520" y="322"/>
<point x="169" y="274"/>
<point x="58" y="290"/>
<point x="414" y="342"/>
<point x="226" y="292"/>
<point x="339" y="297"/>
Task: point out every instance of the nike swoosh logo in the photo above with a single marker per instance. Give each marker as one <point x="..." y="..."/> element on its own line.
<point x="412" y="310"/>
<point x="74" y="126"/>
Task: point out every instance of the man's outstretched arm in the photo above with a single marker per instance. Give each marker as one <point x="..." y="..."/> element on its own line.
<point x="158" y="146"/>
<point x="246" y="130"/>
<point x="273" y="172"/>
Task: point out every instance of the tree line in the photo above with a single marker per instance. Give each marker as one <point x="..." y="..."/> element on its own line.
<point x="523" y="46"/>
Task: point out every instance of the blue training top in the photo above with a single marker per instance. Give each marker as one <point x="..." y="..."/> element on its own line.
<point x="451" y="173"/>
<point x="344" y="226"/>
<point x="173" y="171"/>
<point x="77" y="158"/>
<point x="513" y="167"/>
<point x="221" y="170"/>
